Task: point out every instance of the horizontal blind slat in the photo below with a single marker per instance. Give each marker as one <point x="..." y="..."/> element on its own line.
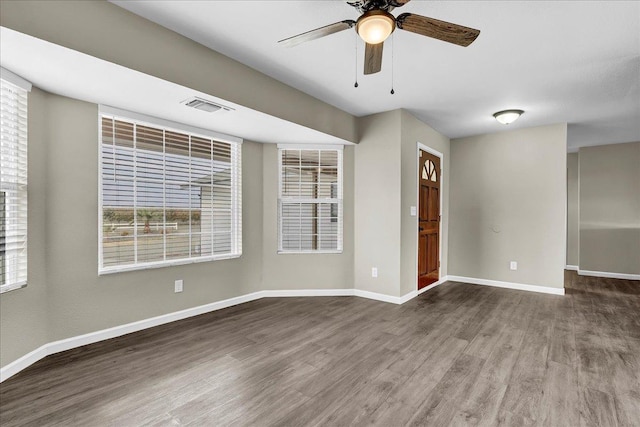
<point x="166" y="196"/>
<point x="310" y="200"/>
<point x="13" y="186"/>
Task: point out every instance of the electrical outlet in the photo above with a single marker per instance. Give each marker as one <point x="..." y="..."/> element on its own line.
<point x="374" y="272"/>
<point x="178" y="285"/>
<point x="513" y="265"/>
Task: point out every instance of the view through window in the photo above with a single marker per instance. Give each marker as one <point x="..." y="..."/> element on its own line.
<point x="167" y="196"/>
<point x="310" y="200"/>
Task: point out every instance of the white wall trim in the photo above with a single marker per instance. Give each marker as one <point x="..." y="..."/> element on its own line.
<point x="144" y="119"/>
<point x="571" y="267"/>
<point x="433" y="285"/>
<point x="398" y="300"/>
<point x="609" y="275"/>
<point x="15" y="79"/>
<point x="311" y="146"/>
<point x="410" y="295"/>
<point x="45" y="350"/>
<point x="508" y="285"/>
<point x="105" y="334"/>
<point x="378" y="297"/>
<point x="308" y="293"/>
<point x="423" y="147"/>
<point x="24" y="362"/>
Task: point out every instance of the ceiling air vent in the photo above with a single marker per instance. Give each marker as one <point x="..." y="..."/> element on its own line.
<point x="204" y="105"/>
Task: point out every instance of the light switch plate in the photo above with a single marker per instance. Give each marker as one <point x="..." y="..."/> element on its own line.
<point x="178" y="285"/>
<point x="414" y="211"/>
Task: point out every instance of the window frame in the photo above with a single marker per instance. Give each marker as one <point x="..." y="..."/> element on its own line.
<point x="339" y="200"/>
<point x="23" y="87"/>
<point x="167" y="125"/>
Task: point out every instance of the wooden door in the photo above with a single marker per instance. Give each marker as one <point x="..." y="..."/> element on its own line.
<point x="428" y="219"/>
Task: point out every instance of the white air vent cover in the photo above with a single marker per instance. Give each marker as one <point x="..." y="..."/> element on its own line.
<point x="204" y="105"/>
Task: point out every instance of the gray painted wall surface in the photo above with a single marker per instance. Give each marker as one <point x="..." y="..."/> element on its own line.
<point x="108" y="32"/>
<point x="304" y="271"/>
<point x="573" y="210"/>
<point x="507" y="203"/>
<point x="80" y="301"/>
<point x="610" y="208"/>
<point x="414" y="131"/>
<point x="23" y="312"/>
<point x="377" y="198"/>
<point x="66" y="297"/>
<point x="385" y="189"/>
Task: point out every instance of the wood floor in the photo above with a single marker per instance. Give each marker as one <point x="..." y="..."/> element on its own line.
<point x="458" y="355"/>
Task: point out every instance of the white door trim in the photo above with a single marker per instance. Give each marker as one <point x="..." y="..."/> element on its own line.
<point x="421" y="146"/>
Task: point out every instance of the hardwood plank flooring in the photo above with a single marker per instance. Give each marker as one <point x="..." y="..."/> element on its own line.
<point x="457" y="355"/>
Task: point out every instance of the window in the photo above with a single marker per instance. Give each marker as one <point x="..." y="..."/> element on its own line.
<point x="13" y="182"/>
<point x="169" y="194"/>
<point x="310" y="200"/>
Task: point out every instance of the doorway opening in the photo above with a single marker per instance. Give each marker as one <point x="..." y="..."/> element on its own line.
<point x="429" y="215"/>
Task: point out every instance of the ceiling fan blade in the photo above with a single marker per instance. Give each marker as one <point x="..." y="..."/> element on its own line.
<point x="441" y="30"/>
<point x="317" y="33"/>
<point x="373" y="58"/>
<point x="398" y="3"/>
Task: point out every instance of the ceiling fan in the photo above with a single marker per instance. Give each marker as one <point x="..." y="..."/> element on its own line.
<point x="376" y="23"/>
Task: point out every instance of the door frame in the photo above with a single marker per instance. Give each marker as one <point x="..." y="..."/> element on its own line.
<point x="421" y="146"/>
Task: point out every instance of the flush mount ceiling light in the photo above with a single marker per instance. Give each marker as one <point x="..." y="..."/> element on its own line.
<point x="375" y="26"/>
<point x="508" y="116"/>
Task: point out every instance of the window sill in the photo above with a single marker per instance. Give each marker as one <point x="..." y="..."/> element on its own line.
<point x="160" y="264"/>
<point x="280" y="252"/>
<point x="14" y="287"/>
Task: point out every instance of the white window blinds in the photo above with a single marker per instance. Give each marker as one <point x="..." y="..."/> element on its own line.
<point x="13" y="185"/>
<point x="167" y="196"/>
<point x="310" y="200"/>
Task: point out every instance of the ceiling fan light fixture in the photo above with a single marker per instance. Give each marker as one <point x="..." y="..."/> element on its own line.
<point x="508" y="116"/>
<point x="375" y="26"/>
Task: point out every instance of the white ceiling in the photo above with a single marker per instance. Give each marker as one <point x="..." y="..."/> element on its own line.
<point x="67" y="72"/>
<point x="560" y="61"/>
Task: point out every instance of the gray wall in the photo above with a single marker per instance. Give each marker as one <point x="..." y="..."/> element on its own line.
<point x="304" y="271"/>
<point x="65" y="296"/>
<point x="610" y="208"/>
<point x="377" y="199"/>
<point x="507" y="203"/>
<point x="385" y="189"/>
<point x="573" y="210"/>
<point x="23" y="312"/>
<point x="414" y="131"/>
<point x="79" y="300"/>
<point x="108" y="32"/>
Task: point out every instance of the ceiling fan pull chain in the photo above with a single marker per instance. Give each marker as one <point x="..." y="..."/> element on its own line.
<point x="392" y="52"/>
<point x="356" y="60"/>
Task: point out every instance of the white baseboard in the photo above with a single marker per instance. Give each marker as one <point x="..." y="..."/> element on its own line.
<point x="433" y="285"/>
<point x="571" y="267"/>
<point x="378" y="297"/>
<point x="509" y="285"/>
<point x="609" y="275"/>
<point x="67" y="344"/>
<point x="105" y="334"/>
<point x="308" y="293"/>
<point x="398" y="300"/>
<point x="24" y="362"/>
